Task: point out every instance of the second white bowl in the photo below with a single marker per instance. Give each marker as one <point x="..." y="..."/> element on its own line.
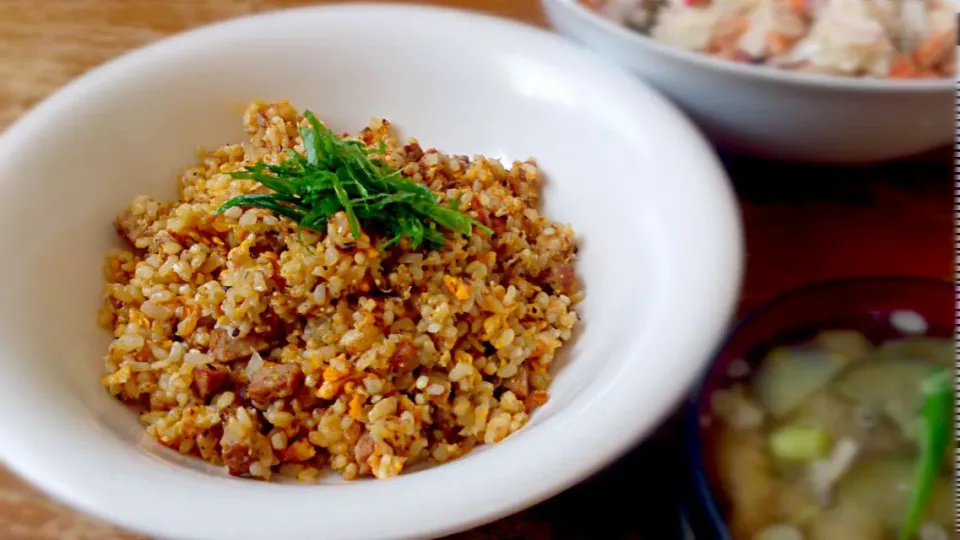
<point x="776" y="114"/>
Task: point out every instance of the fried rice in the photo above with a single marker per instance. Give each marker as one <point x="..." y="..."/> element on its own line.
<point x="272" y="350"/>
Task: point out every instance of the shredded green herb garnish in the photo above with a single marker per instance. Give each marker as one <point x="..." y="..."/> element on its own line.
<point x="936" y="427"/>
<point x="338" y="174"/>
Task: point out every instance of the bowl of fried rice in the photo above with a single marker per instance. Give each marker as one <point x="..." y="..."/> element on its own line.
<point x="819" y="81"/>
<point x="350" y="272"/>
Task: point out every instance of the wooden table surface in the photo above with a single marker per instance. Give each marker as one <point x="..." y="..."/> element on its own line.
<point x="803" y="224"/>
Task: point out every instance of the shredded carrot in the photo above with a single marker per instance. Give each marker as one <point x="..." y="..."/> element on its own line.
<point x="356" y="407"/>
<point x="932" y="49"/>
<point x="536" y="399"/>
<point x="332" y="374"/>
<point x="903" y="67"/>
<point x="797" y="7"/>
<point x="725" y="42"/>
<point x="778" y="42"/>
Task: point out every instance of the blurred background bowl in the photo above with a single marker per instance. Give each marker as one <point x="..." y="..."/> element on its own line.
<point x="862" y="304"/>
<point x="773" y="113"/>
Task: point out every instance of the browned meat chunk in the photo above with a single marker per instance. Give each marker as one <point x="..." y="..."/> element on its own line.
<point x="563" y="279"/>
<point x="162" y="238"/>
<point x="207" y="381"/>
<point x="145" y="354"/>
<point x="484" y="217"/>
<point x="405" y="357"/>
<point x="413" y="151"/>
<point x="237" y="455"/>
<point x="226" y="348"/>
<point x="498" y="225"/>
<point x="364" y="448"/>
<point x="274" y="381"/>
<point x="519" y="384"/>
<point x="130" y="227"/>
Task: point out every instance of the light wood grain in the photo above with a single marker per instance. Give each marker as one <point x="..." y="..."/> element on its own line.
<point x="45" y="43"/>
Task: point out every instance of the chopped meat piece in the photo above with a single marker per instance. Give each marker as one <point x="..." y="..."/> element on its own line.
<point x="367" y="136"/>
<point x="237" y="455"/>
<point x="274" y="381"/>
<point x="483" y="214"/>
<point x="207" y="381"/>
<point x="498" y="225"/>
<point x="226" y="348"/>
<point x="267" y="246"/>
<point x="145" y="354"/>
<point x="162" y="238"/>
<point x="131" y="227"/>
<point x="484" y="217"/>
<point x="298" y="451"/>
<point x="405" y="357"/>
<point x="413" y="151"/>
<point x="519" y="384"/>
<point x="563" y="279"/>
<point x="364" y="448"/>
<point x="271" y="326"/>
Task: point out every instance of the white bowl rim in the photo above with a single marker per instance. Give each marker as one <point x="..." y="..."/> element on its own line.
<point x="769" y="74"/>
<point x="619" y="431"/>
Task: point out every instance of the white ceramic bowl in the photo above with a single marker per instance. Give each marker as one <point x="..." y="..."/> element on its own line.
<point x="661" y="255"/>
<point x="776" y="114"/>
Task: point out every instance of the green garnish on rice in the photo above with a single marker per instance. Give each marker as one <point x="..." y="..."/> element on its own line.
<point x="338" y="174"/>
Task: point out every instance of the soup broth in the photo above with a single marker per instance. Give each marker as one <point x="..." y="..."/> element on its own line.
<point x="825" y="438"/>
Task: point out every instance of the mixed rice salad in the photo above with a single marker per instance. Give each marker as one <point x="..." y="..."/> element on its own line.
<point x="897" y="39"/>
